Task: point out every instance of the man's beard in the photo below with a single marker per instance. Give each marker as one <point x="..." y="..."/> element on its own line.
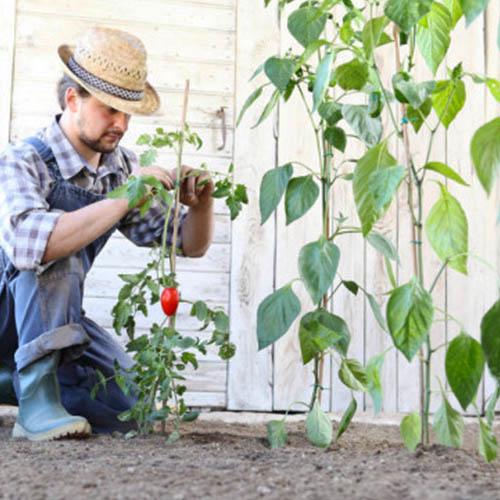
<point x="98" y="145"/>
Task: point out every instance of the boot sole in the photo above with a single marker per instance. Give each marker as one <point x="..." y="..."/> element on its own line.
<point x="76" y="430"/>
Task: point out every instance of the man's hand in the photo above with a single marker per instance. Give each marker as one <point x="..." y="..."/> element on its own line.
<point x="158" y="173"/>
<point x="196" y="186"/>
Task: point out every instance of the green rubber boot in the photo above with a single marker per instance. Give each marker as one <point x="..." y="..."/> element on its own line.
<point x="7" y="394"/>
<point x="41" y="415"/>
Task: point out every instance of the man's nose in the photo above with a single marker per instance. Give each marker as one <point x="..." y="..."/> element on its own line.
<point x="121" y="121"/>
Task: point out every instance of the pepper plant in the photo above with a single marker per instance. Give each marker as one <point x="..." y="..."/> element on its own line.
<point x="161" y="357"/>
<point x="339" y="41"/>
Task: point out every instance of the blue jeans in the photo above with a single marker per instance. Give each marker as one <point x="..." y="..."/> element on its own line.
<point x="41" y="313"/>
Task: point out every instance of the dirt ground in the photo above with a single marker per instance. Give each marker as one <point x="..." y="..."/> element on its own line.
<point x="232" y="461"/>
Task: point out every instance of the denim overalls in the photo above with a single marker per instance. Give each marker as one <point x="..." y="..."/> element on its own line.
<point x="40" y="313"/>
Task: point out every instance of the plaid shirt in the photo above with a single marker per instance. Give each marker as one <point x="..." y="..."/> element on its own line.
<point x="26" y="220"/>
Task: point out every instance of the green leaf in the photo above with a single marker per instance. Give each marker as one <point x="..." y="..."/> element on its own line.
<point x="455" y="10"/>
<point x="372" y="34"/>
<point x="277" y="434"/>
<point x="409" y="317"/>
<point x="250" y="100"/>
<point x="472" y="9"/>
<point x="383" y="245"/>
<point x="173" y="437"/>
<point x="448" y="425"/>
<point x="306" y="25"/>
<point x="301" y="194"/>
<point x="490" y="339"/>
<point x="464" y="368"/>
<point x="268" y="109"/>
<point x="144" y="139"/>
<point x="373" y="368"/>
<point x="352" y="286"/>
<point x="406" y="13"/>
<point x="275" y="315"/>
<point x="433" y="36"/>
<point x="318" y="262"/>
<point x="323" y="75"/>
<point x="410" y="429"/>
<point x="407" y="91"/>
<point x="375" y="103"/>
<point x="492" y="404"/>
<point x="488" y="446"/>
<point x="448" y="100"/>
<point x="190" y="416"/>
<point x="200" y="310"/>
<point x="331" y="112"/>
<point x="279" y="71"/>
<point x="416" y="116"/>
<point x="311" y="49"/>
<point x="272" y="187"/>
<point x="353" y="375"/>
<point x="445" y="170"/>
<point x="376" y="311"/>
<point x="367" y="128"/>
<point x="485" y="151"/>
<point x="369" y="208"/>
<point x="119" y="192"/>
<point x="447" y="230"/>
<point x="320" y="330"/>
<point x="319" y="429"/>
<point x="352" y="75"/>
<point x="346" y="418"/>
<point x="494" y="87"/>
<point x="148" y="157"/>
<point x="383" y="184"/>
<point x="336" y="137"/>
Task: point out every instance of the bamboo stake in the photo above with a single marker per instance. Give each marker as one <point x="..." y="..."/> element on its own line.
<point x="173" y="253"/>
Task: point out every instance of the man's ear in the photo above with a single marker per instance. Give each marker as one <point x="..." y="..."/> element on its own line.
<point x="71" y="98"/>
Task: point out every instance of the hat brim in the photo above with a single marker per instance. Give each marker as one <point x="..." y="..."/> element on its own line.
<point x="148" y="105"/>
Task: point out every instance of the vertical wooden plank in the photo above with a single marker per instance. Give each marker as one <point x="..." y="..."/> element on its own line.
<point x="492" y="110"/>
<point x="470" y="296"/>
<point x="252" y="252"/>
<point x="351" y="268"/>
<point x="409" y="373"/>
<point x="292" y="380"/>
<point x="7" y="41"/>
<point x="376" y="278"/>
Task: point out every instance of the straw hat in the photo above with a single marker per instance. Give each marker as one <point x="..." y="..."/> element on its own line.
<point x="111" y="65"/>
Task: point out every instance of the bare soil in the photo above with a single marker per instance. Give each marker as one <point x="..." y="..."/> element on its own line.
<point x="232" y="461"/>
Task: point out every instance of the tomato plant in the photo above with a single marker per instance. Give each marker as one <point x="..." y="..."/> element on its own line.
<point x="335" y="64"/>
<point x="163" y="355"/>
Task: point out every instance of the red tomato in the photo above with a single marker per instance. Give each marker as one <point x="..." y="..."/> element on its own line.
<point x="169" y="301"/>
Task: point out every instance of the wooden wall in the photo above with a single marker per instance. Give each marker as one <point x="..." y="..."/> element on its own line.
<point x="218" y="44"/>
<point x="276" y="378"/>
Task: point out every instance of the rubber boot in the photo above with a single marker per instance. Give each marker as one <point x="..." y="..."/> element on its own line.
<point x="7" y="393"/>
<point x="41" y="415"/>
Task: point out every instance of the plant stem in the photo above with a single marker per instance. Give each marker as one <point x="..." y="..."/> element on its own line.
<point x="417" y="252"/>
<point x="434" y="283"/>
<point x="317" y="386"/>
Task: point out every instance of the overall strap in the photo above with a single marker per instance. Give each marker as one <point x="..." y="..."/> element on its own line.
<point x="42" y="149"/>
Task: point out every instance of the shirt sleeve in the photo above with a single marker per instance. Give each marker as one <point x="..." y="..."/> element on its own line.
<point x="26" y="221"/>
<point x="147" y="230"/>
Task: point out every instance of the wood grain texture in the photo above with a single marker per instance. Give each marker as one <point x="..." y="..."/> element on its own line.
<point x="492" y="110"/>
<point x="292" y="380"/>
<point x="252" y="251"/>
<point x="7" y="49"/>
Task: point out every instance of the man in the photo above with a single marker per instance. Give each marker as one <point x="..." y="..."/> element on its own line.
<point x="54" y="220"/>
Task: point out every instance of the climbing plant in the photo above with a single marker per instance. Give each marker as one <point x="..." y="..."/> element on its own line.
<point x="162" y="355"/>
<point x="335" y="62"/>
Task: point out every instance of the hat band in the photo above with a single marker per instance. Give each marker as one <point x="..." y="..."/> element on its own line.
<point x="104" y="86"/>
